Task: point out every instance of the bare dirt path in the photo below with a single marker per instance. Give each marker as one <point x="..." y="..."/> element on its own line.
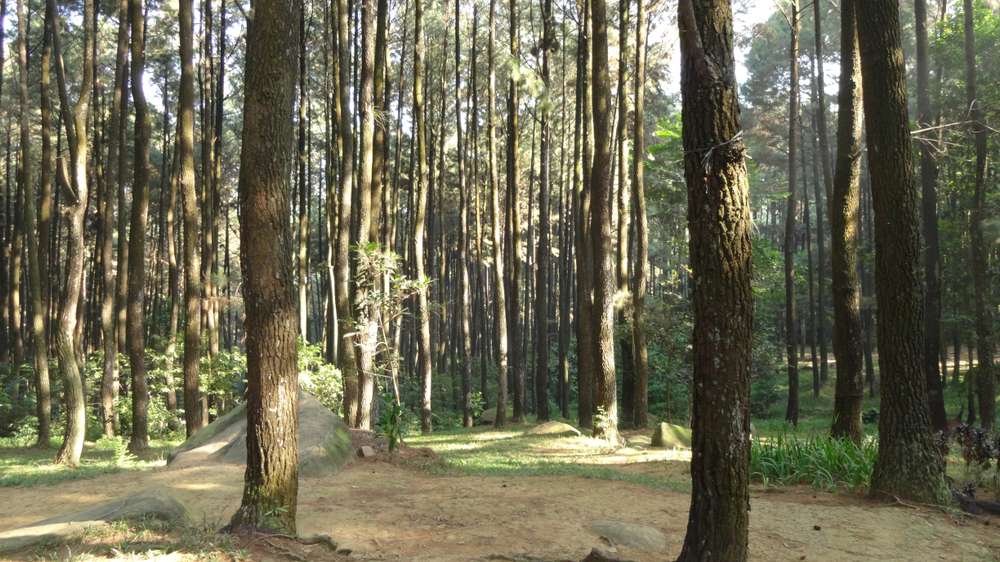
<point x="388" y="511"/>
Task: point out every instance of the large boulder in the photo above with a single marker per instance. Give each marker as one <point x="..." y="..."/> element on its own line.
<point x="150" y="504"/>
<point x="553" y="428"/>
<point x="324" y="440"/>
<point x="671" y="436"/>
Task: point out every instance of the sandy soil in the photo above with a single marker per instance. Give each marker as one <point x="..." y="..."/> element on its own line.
<point x="392" y="510"/>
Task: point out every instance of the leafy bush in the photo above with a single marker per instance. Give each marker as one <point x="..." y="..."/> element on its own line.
<point x="319" y="378"/>
<point x="822" y="462"/>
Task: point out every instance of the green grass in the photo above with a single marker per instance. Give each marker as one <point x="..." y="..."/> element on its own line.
<point x="510" y="453"/>
<point x="822" y="462"/>
<point x="21" y="466"/>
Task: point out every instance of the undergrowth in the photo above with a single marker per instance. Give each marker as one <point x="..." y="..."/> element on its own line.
<point x="820" y="461"/>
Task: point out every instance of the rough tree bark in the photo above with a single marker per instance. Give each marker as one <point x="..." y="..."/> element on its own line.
<point x="542" y="246"/>
<point x="719" y="223"/>
<point x="845" y="224"/>
<point x="909" y="465"/>
<point x="271" y="482"/>
<point x="496" y="230"/>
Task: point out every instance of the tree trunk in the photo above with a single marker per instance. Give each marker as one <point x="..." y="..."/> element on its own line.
<point x="909" y="465"/>
<point x="640" y="354"/>
<point x="271" y="485"/>
<point x="844" y="226"/>
<point x="464" y="300"/>
<point x="346" y="358"/>
<point x="39" y="339"/>
<point x="586" y="353"/>
<point x="136" y="339"/>
<point x="819" y="98"/>
<point x="496" y="230"/>
<point x="791" y="333"/>
<point x="980" y="252"/>
<point x="542" y="247"/>
<point x="605" y="391"/>
<point x="194" y="417"/>
<point x="420" y="220"/>
<point x="514" y="218"/>
<point x="719" y="222"/>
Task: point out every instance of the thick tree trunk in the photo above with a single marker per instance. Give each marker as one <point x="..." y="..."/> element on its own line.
<point x="719" y="222"/>
<point x="586" y="353"/>
<point x="980" y="253"/>
<point x="271" y="485"/>
<point x="845" y="225"/>
<point x="136" y="335"/>
<point x="909" y="465"/>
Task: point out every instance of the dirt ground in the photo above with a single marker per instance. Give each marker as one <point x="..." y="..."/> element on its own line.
<point x="385" y="509"/>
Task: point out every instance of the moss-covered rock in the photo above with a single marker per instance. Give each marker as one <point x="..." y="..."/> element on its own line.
<point x="671" y="436"/>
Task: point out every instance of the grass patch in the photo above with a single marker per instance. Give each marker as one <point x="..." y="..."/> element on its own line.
<point x="147" y="539"/>
<point x="21" y="466"/>
<point x="822" y="462"/>
<point x="510" y="453"/>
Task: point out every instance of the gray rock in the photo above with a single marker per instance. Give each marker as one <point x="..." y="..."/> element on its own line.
<point x="324" y="440"/>
<point x="630" y="535"/>
<point x="553" y="428"/>
<point x="671" y="436"/>
<point x="151" y="504"/>
<point x="488" y="416"/>
<point x="366" y="452"/>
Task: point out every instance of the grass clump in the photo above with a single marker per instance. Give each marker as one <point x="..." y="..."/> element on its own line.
<point x="820" y="461"/>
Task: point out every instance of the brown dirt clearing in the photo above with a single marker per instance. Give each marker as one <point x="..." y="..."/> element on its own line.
<point x="392" y="509"/>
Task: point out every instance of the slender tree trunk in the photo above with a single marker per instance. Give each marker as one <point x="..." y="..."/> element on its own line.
<point x="303" y="238"/>
<point x="346" y="360"/>
<point x="420" y="220"/>
<point x="463" y="243"/>
<point x="605" y="391"/>
<point x="514" y="219"/>
<point x="39" y="338"/>
<point x="845" y="225"/>
<point x="623" y="219"/>
<point x="791" y="333"/>
<point x="909" y="465"/>
<point x="139" y="440"/>
<point x="271" y="484"/>
<point x="76" y="133"/>
<point x="194" y="417"/>
<point x="497" y="228"/>
<point x="932" y="266"/>
<point x="640" y="354"/>
<point x="542" y="248"/>
<point x="586" y="353"/>
<point x="819" y="99"/>
<point x="980" y="254"/>
<point x="719" y="222"/>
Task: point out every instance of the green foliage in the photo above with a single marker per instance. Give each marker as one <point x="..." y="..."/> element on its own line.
<point x="822" y="462"/>
<point x="319" y="378"/>
<point x="391" y="424"/>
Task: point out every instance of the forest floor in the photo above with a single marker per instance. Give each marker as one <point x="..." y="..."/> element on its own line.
<point x="501" y="496"/>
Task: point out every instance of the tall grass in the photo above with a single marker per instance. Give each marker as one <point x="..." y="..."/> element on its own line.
<point x="820" y="461"/>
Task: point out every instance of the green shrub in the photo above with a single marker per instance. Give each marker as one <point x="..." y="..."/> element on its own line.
<point x="822" y="462"/>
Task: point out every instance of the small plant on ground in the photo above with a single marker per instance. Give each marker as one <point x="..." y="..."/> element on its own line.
<point x="822" y="462"/>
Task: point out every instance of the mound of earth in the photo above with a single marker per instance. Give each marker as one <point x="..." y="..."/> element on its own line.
<point x="153" y="504"/>
<point x="671" y="436"/>
<point x="553" y="428"/>
<point x="324" y="440"/>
